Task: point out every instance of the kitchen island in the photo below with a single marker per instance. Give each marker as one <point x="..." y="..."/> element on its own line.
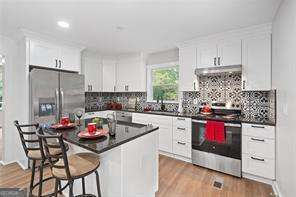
<point x="129" y="161"/>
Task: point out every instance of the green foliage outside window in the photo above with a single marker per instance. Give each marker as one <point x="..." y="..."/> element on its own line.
<point x="165" y="83"/>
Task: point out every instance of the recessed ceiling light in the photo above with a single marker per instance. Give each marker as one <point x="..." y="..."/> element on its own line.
<point x="63" y="24"/>
<point x="119" y="28"/>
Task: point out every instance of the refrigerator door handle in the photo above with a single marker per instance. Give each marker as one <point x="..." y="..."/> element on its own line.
<point x="62" y="100"/>
<point x="57" y="99"/>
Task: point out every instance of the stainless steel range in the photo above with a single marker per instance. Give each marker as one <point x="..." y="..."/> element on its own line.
<point x="224" y="154"/>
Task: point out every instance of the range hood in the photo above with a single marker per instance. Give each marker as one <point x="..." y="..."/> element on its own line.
<point x="218" y="69"/>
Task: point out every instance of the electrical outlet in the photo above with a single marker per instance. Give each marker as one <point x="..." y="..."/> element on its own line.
<point x="195" y="101"/>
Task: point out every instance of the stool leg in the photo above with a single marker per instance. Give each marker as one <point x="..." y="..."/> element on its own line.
<point x="71" y="188"/>
<point x="98" y="184"/>
<point x="32" y="177"/>
<point x="83" y="185"/>
<point x="60" y="187"/>
<point x="56" y="187"/>
<point x="40" y="178"/>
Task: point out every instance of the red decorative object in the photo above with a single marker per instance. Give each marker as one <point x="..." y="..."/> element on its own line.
<point x="96" y="134"/>
<point x="65" y="120"/>
<point x="91" y="127"/>
<point x="61" y="126"/>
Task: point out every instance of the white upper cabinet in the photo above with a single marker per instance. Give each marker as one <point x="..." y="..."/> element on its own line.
<point x="131" y="74"/>
<point x="256" y="61"/>
<point x="92" y="69"/>
<point x="229" y="53"/>
<point x="187" y="66"/>
<point x="50" y="55"/>
<point x="207" y="55"/>
<point x="108" y="75"/>
<point x="43" y="54"/>
<point x="70" y="59"/>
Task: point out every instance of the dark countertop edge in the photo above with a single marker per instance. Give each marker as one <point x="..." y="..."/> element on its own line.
<point x="113" y="145"/>
<point x="269" y="123"/>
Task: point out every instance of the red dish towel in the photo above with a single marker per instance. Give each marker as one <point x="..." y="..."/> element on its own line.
<point x="215" y="131"/>
<point x="219" y="132"/>
<point x="210" y="131"/>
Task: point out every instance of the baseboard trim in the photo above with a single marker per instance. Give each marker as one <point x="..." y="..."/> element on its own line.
<point x="257" y="178"/>
<point x="188" y="160"/>
<point x="276" y="189"/>
<point x="18" y="162"/>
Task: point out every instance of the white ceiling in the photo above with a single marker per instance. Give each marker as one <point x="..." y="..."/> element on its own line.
<point x="149" y="26"/>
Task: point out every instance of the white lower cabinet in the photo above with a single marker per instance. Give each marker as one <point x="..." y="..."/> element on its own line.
<point x="174" y="133"/>
<point x="258" y="148"/>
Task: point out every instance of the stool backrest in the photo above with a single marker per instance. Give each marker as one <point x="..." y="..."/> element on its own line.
<point x="29" y="141"/>
<point x="44" y="140"/>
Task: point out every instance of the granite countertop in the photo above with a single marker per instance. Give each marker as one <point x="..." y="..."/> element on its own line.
<point x="125" y="132"/>
<point x="241" y="119"/>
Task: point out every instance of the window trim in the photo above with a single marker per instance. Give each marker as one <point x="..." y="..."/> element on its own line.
<point x="149" y="81"/>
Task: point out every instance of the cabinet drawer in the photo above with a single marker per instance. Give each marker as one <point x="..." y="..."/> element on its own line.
<point x="182" y="148"/>
<point x="256" y="130"/>
<point x="183" y="134"/>
<point x="258" y="166"/>
<point x="181" y="122"/>
<point x="260" y="147"/>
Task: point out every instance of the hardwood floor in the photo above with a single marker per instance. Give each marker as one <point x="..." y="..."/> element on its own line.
<point x="181" y="179"/>
<point x="176" y="179"/>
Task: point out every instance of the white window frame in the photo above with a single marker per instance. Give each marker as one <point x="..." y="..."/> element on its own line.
<point x="149" y="81"/>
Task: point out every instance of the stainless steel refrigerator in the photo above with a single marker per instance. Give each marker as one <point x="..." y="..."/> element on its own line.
<point x="54" y="94"/>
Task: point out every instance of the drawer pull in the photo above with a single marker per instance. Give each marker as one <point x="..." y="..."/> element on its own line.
<point x="258" y="127"/>
<point x="180" y="118"/>
<point x="256" y="139"/>
<point x="254" y="158"/>
<point x="179" y="128"/>
<point x="181" y="143"/>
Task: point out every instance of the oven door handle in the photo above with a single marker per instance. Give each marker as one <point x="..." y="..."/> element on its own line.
<point x="226" y="124"/>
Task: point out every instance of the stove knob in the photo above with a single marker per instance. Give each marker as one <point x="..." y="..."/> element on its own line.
<point x="232" y="105"/>
<point x="214" y="147"/>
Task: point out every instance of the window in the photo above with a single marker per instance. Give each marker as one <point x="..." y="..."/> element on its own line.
<point x="162" y="82"/>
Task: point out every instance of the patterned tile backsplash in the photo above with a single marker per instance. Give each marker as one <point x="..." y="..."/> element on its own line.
<point x="212" y="88"/>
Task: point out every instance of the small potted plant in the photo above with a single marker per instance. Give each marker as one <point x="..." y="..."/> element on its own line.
<point x="98" y="121"/>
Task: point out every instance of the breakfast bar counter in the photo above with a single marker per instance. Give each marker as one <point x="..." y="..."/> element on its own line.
<point x="128" y="161"/>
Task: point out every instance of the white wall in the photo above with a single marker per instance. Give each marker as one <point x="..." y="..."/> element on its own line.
<point x="15" y="100"/>
<point x="163" y="57"/>
<point x="284" y="80"/>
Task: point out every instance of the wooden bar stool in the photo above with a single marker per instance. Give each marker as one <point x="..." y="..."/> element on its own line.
<point x="69" y="168"/>
<point x="34" y="152"/>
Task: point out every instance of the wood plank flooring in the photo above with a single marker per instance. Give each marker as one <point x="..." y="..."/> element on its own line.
<point x="176" y="179"/>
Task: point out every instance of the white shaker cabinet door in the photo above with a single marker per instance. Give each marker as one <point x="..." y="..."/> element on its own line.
<point x="187" y="66"/>
<point x="256" y="61"/>
<point x="43" y="54"/>
<point x="229" y="53"/>
<point x="208" y="56"/>
<point x="108" y="75"/>
<point x="70" y="59"/>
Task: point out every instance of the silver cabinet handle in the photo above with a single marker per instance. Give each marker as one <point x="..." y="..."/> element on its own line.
<point x="257" y="127"/>
<point x="256" y="139"/>
<point x="179" y="128"/>
<point x="60" y="64"/>
<point x="219" y="58"/>
<point x="244" y="84"/>
<point x="258" y="159"/>
<point x="180" y="118"/>
<point x="215" y="59"/>
<point x="182" y="143"/>
<point x="56" y="63"/>
<point x="114" y="88"/>
<point x="194" y="88"/>
<point x="126" y="87"/>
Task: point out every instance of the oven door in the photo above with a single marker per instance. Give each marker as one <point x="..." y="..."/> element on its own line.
<point x="230" y="148"/>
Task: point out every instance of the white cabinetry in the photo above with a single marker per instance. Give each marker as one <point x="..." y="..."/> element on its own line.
<point x="108" y="75"/>
<point x="131" y="74"/>
<point x="182" y="137"/>
<point x="224" y="53"/>
<point x="187" y="66"/>
<point x="256" y="73"/>
<point x="92" y="70"/>
<point x="165" y="128"/>
<point x="258" y="148"/>
<point x="45" y="54"/>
